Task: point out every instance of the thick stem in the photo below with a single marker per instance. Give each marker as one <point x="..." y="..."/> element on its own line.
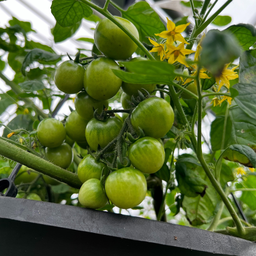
<point x="18" y="91"/>
<point x="115" y="21"/>
<point x="39" y="164"/>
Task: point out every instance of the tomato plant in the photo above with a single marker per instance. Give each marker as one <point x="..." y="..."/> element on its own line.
<point x="147" y="155"/>
<point x="69" y="77"/>
<point x="89" y="168"/>
<point x="126" y="188"/>
<point x="154" y="116"/>
<point x="100" y="133"/>
<point x="112" y="41"/>
<point x="51" y="132"/>
<point x="25" y="175"/>
<point x="61" y="156"/>
<point x="92" y="195"/>
<point x="99" y="80"/>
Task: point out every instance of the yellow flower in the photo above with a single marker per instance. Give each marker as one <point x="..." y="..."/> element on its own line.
<point x="240" y="170"/>
<point x="202" y="74"/>
<point x="217" y="101"/>
<point x="26" y="111"/>
<point x="159" y="48"/>
<point x="177" y="54"/>
<point x="10" y="135"/>
<point x="173" y="33"/>
<point x="252" y="169"/>
<point x="198" y="48"/>
<point x="226" y="75"/>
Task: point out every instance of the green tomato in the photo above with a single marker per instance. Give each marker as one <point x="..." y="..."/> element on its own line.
<point x="112" y="41"/>
<point x="92" y="195"/>
<point x="34" y="196"/>
<point x="69" y="77"/>
<point x="85" y="105"/>
<point x="25" y="175"/>
<point x="61" y="156"/>
<point x="192" y="88"/>
<point x="133" y="89"/>
<point x="154" y="116"/>
<point x="126" y="187"/>
<point x="99" y="80"/>
<point x="147" y="155"/>
<point x="51" y="132"/>
<point x="69" y="141"/>
<point x="102" y="132"/>
<point x="89" y="168"/>
<point x="75" y="127"/>
<point x="126" y="101"/>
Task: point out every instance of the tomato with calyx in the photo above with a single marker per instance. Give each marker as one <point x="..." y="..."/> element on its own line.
<point x="61" y="156"/>
<point x="112" y="41"/>
<point x="99" y="80"/>
<point x="69" y="77"/>
<point x="92" y="195"/>
<point x="102" y="132"/>
<point x="86" y="105"/>
<point x="133" y="89"/>
<point x="147" y="155"/>
<point x="192" y="88"/>
<point x="154" y="116"/>
<point x="51" y="132"/>
<point x="75" y="127"/>
<point x="89" y="168"/>
<point x="126" y="187"/>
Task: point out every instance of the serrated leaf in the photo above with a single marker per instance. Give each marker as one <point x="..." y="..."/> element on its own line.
<point x="69" y="12"/>
<point x="222" y="20"/>
<point x="32" y="85"/>
<point x="38" y="55"/>
<point x="62" y="33"/>
<point x="145" y="19"/>
<point x="244" y="33"/>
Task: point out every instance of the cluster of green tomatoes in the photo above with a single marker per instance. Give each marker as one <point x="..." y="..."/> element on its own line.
<point x="115" y="168"/>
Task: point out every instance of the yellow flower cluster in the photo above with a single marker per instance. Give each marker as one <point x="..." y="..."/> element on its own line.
<point x="173" y="49"/>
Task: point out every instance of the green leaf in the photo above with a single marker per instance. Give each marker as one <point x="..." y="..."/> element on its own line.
<point x="93" y="18"/>
<point x="219" y="48"/>
<point x="247" y="67"/>
<point x="244" y="33"/>
<point x="2" y="65"/>
<point x="61" y="188"/>
<point x="32" y="85"/>
<point x="31" y="45"/>
<point x="9" y="47"/>
<point x="26" y="26"/>
<point x="38" y="55"/>
<point x="181" y="21"/>
<point x="240" y="129"/>
<point x="18" y="122"/>
<point x="69" y="12"/>
<point x="249" y="197"/>
<point x="62" y="33"/>
<point x="197" y="3"/>
<point x="6" y="101"/>
<point x="164" y="173"/>
<point x="222" y="20"/>
<point x="145" y="19"/>
<point x="86" y="39"/>
<point x="144" y="72"/>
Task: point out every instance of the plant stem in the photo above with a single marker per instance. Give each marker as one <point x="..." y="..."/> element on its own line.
<point x="230" y="218"/>
<point x="18" y="91"/>
<point x="224" y="128"/>
<point x="115" y="21"/>
<point x="215" y="222"/>
<point x="39" y="164"/>
<point x="194" y="13"/>
<point x="205" y="17"/>
<point x="105" y="8"/>
<point x="186" y="90"/>
<point x="204" y="8"/>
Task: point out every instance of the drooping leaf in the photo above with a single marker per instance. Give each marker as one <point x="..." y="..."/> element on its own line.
<point x="38" y="55"/>
<point x="32" y="85"/>
<point x="222" y="20"/>
<point x="244" y="33"/>
<point x="69" y="12"/>
<point x="144" y="72"/>
<point x="62" y="33"/>
<point x="145" y="19"/>
<point x="240" y="129"/>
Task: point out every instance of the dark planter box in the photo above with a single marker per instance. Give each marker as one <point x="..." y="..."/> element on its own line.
<point x="46" y="229"/>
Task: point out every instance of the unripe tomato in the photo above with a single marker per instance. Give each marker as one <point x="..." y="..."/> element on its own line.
<point x="89" y="168"/>
<point x="192" y="88"/>
<point x="92" y="195"/>
<point x="25" y="175"/>
<point x="112" y="41"/>
<point x="51" y="132"/>
<point x="61" y="156"/>
<point x="132" y="89"/>
<point x="154" y="116"/>
<point x="69" y="77"/>
<point x="102" y="132"/>
<point x="30" y="196"/>
<point x="75" y="127"/>
<point x="85" y="105"/>
<point x="99" y="80"/>
<point x="147" y="155"/>
<point x="126" y="101"/>
<point x="126" y="187"/>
